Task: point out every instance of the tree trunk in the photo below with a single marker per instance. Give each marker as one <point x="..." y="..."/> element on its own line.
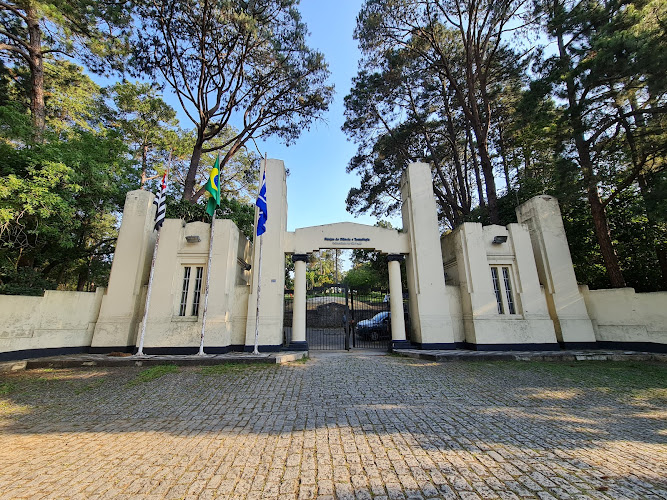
<point x="660" y="247"/>
<point x="604" y="238"/>
<point x="489" y="183"/>
<point x="144" y="164"/>
<point x="37" y="107"/>
<point x="478" y="178"/>
<point x="503" y="155"/>
<point x="82" y="279"/>
<point x="600" y="223"/>
<point x="191" y="177"/>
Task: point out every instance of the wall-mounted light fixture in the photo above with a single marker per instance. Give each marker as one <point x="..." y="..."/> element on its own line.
<point x="497" y="240"/>
<point x="243" y="264"/>
<point x="193" y="238"/>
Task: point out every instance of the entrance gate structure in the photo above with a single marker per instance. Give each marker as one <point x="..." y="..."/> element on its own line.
<point x="339" y="317"/>
<point x="418" y="243"/>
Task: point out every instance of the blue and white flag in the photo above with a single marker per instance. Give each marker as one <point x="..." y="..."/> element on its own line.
<point x="261" y="203"/>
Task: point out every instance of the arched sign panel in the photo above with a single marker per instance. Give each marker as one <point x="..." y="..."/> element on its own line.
<point x="347" y="235"/>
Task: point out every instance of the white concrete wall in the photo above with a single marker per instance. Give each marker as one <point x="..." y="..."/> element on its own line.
<point x="56" y="320"/>
<point x="225" y="320"/>
<point x="468" y="253"/>
<point x="623" y="316"/>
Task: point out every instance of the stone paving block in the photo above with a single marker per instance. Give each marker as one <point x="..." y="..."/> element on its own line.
<point x="412" y="429"/>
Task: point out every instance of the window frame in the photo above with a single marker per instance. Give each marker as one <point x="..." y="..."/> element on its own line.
<point x="190" y="288"/>
<point x="506" y="298"/>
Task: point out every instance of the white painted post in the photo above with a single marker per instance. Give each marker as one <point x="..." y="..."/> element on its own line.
<point x="299" y="304"/>
<point x="208" y="275"/>
<point x="396" y="299"/>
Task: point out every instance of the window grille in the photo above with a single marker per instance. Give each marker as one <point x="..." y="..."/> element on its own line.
<point x="502" y="288"/>
<point x="496" y="289"/>
<point x="184" y="291"/>
<point x="197" y="293"/>
<point x="508" y="290"/>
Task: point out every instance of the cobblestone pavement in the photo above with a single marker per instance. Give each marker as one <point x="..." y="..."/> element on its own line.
<point x="339" y="426"/>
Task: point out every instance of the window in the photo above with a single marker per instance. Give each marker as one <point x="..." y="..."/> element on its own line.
<point x="195" y="301"/>
<point x="190" y="291"/>
<point x="501" y="277"/>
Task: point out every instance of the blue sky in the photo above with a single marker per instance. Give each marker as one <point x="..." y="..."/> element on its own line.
<point x="318" y="184"/>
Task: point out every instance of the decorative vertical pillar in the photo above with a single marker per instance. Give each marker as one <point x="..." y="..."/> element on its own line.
<point x="398" y="339"/>
<point x="430" y="319"/>
<point x="541" y="214"/>
<point x="272" y="303"/>
<point x="122" y="306"/>
<point x="298" y="342"/>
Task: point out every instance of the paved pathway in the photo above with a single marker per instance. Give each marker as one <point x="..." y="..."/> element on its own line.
<point x="341" y="425"/>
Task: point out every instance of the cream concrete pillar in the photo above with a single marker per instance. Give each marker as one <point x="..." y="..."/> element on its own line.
<point x="567" y="308"/>
<point x="298" y="342"/>
<point x="122" y="306"/>
<point x="430" y="319"/>
<point x="398" y="340"/>
<point x="272" y="296"/>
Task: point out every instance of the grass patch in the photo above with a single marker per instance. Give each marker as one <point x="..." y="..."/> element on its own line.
<point x="640" y="381"/>
<point x="225" y="368"/>
<point x="152" y="373"/>
<point x="6" y="388"/>
<point x="89" y="387"/>
<point x="303" y="360"/>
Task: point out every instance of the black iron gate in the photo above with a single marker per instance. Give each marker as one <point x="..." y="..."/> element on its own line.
<point x="327" y="317"/>
<point x="371" y="321"/>
<point x="339" y="318"/>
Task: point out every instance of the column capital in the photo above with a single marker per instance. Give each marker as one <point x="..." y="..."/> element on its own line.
<point x="395" y="257"/>
<point x="303" y="257"/>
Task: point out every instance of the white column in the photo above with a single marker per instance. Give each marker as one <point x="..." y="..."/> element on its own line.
<point x="298" y="341"/>
<point x="396" y="301"/>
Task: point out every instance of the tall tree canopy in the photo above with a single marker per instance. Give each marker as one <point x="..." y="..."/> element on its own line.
<point x="234" y="62"/>
<point x="93" y="31"/>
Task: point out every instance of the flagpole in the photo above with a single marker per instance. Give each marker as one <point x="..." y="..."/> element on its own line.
<point x="208" y="274"/>
<point x="140" y="350"/>
<point x="158" y="224"/>
<point x="259" y="288"/>
<point x="259" y="275"/>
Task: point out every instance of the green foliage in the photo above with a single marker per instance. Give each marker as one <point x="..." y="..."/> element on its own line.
<point x="243" y="215"/>
<point x="227" y="368"/>
<point x="59" y="198"/>
<point x="365" y="275"/>
<point x="147" y="124"/>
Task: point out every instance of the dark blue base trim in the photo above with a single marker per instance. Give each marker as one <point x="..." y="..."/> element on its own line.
<point x="298" y="346"/>
<point x="194" y="350"/>
<point x="441" y="346"/>
<point x="170" y="350"/>
<point x="634" y="346"/>
<point x="105" y="350"/>
<point x="515" y="347"/>
<point x="400" y="344"/>
<point x="580" y="345"/>
<point x="41" y="353"/>
<point x="263" y="348"/>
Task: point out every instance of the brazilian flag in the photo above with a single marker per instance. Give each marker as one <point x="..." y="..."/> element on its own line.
<point x="213" y="188"/>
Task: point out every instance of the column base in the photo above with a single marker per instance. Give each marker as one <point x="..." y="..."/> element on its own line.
<point x="301" y="345"/>
<point x="400" y="344"/>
